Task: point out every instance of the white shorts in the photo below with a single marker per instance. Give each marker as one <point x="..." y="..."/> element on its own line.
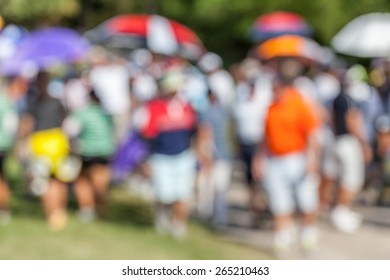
<point x="212" y="186"/>
<point x="350" y="162"/>
<point x="328" y="165"/>
<point x="288" y="187"/>
<point x="173" y="176"/>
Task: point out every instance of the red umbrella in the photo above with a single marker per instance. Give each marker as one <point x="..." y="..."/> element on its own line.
<point x="157" y="33"/>
<point x="279" y="23"/>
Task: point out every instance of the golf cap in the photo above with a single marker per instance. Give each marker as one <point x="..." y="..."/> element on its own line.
<point x="172" y="81"/>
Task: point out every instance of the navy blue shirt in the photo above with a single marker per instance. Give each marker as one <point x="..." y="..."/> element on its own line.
<point x="170" y="126"/>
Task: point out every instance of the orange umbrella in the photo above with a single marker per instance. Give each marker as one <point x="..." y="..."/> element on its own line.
<point x="290" y="46"/>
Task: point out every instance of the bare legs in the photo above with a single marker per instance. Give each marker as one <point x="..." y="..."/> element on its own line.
<point x="325" y="193"/>
<point x="172" y="218"/>
<point x="5" y="195"/>
<point x="91" y="189"/>
<point x="100" y="177"/>
<point x="54" y="204"/>
<point x="5" y="198"/>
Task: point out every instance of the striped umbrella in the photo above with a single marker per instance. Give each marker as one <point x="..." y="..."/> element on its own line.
<point x="279" y="23"/>
<point x="157" y="33"/>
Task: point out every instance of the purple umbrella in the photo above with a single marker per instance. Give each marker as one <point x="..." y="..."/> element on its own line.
<point x="47" y="47"/>
<point x="128" y="156"/>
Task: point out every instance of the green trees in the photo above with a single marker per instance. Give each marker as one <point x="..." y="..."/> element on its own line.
<point x="42" y="10"/>
<point x="221" y="24"/>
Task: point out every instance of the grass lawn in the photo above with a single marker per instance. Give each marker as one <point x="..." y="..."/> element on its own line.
<point x="127" y="234"/>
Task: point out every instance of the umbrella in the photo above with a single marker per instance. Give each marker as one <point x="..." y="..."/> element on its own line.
<point x="157" y="33"/>
<point x="365" y="36"/>
<point x="47" y="47"/>
<point x="128" y="156"/>
<point x="279" y="23"/>
<point x="291" y="46"/>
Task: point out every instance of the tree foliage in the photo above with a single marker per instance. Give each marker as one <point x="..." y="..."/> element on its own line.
<point x="41" y="10"/>
<point x="221" y="24"/>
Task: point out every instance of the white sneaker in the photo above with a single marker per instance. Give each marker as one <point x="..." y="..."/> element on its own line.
<point x="309" y="238"/>
<point x="282" y="240"/>
<point x="345" y="220"/>
<point x="86" y="215"/>
<point x="162" y="221"/>
<point x="179" y="230"/>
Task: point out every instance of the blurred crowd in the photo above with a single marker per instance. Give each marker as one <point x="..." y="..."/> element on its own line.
<point x="310" y="137"/>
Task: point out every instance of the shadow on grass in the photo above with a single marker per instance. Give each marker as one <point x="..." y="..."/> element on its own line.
<point x="123" y="208"/>
<point x="130" y="210"/>
<point x="24" y="204"/>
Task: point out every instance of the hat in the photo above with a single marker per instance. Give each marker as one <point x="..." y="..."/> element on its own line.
<point x="172" y="81"/>
<point x="357" y="73"/>
<point x="210" y="62"/>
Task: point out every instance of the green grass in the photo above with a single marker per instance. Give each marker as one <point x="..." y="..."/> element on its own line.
<point x="127" y="234"/>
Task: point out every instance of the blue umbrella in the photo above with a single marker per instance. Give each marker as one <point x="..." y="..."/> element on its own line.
<point x="47" y="47"/>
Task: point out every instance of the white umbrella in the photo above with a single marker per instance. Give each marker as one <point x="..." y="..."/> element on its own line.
<point x="365" y="36"/>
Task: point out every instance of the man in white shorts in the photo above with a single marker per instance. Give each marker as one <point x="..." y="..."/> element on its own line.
<point x="351" y="150"/>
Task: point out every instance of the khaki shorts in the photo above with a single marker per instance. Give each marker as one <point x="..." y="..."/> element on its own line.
<point x="350" y="162"/>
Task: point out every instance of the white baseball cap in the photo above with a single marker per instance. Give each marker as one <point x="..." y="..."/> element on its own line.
<point x="172" y="81"/>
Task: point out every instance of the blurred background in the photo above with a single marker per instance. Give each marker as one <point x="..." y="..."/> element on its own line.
<point x="225" y="32"/>
<point x="137" y="129"/>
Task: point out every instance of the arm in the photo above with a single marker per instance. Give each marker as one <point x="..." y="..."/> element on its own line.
<point x="204" y="145"/>
<point x="311" y="121"/>
<point x="26" y="126"/>
<point x="313" y="152"/>
<point x="355" y="126"/>
<point x="258" y="164"/>
<point x="27" y="121"/>
<point x="354" y="121"/>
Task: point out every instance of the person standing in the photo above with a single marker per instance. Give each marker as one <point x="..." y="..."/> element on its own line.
<point x="93" y="132"/>
<point x="352" y="150"/>
<point x="8" y="128"/>
<point x="110" y="80"/>
<point x="215" y="163"/>
<point x="43" y="120"/>
<point x="288" y="163"/>
<point x="168" y="122"/>
<point x="250" y="109"/>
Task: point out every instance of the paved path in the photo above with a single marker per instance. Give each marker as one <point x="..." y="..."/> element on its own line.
<point x="372" y="241"/>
